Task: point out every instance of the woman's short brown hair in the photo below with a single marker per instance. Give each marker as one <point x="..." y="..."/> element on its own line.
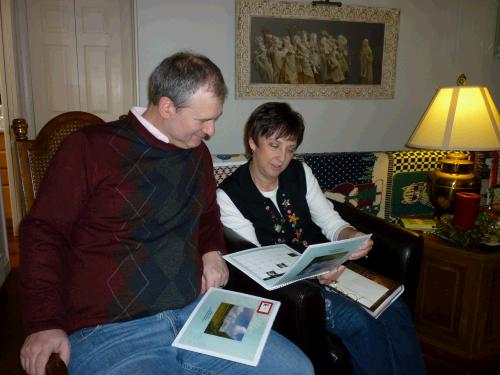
<point x="274" y="118"/>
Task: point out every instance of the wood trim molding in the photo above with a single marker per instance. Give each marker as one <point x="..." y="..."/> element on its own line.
<point x="8" y="69"/>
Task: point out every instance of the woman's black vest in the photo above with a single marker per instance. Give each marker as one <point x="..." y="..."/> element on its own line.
<point x="292" y="224"/>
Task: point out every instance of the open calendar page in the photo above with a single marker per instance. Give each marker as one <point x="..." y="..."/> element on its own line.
<point x="275" y="266"/>
<point x="373" y="291"/>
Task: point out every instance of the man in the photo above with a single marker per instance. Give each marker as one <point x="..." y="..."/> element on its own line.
<point x="125" y="234"/>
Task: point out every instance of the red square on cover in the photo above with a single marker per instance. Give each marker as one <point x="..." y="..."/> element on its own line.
<point x="265" y="307"/>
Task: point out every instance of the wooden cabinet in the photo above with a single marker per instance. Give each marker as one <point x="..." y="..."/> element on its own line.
<point x="5" y="179"/>
<point x="458" y="309"/>
<point x="4" y="252"/>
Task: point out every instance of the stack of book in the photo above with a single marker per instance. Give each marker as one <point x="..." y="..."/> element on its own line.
<point x="424" y="224"/>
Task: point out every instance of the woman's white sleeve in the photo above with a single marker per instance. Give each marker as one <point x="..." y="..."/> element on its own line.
<point x="232" y="218"/>
<point x="322" y="212"/>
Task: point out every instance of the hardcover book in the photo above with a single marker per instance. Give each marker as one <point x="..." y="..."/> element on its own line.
<point x="374" y="292"/>
<point x="416" y="223"/>
<point x="229" y="325"/>
<point x="278" y="265"/>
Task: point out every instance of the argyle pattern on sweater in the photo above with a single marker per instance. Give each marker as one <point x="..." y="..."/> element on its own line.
<point x="123" y="219"/>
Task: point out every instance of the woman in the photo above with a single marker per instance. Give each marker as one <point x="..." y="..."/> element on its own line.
<point x="275" y="199"/>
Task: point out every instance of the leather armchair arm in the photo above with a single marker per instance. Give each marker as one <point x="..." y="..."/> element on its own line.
<point x="301" y="317"/>
<point x="301" y="301"/>
<point x="56" y="366"/>
<point x="235" y="242"/>
<point x="396" y="254"/>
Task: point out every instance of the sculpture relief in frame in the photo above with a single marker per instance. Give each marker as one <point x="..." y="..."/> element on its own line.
<point x="297" y="50"/>
<point x="497" y="33"/>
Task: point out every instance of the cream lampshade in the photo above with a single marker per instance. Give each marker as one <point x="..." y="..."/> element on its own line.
<point x="460" y="118"/>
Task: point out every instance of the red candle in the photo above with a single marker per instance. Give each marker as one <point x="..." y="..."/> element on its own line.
<point x="466" y="209"/>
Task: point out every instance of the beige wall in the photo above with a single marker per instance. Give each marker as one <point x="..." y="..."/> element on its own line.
<point x="438" y="40"/>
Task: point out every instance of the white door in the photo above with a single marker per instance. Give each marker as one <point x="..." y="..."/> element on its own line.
<point x="53" y="60"/>
<point x="80" y="57"/>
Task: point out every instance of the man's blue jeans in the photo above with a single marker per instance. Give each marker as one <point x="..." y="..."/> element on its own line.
<point x="143" y="346"/>
<point x="384" y="346"/>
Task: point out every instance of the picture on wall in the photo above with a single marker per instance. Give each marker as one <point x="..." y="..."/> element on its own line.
<point x="291" y="50"/>
<point x="497" y="33"/>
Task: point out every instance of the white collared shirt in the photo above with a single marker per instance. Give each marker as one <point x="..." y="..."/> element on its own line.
<point x="139" y="112"/>
<point x="323" y="213"/>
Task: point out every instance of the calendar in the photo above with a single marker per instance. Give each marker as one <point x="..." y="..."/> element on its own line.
<point x="278" y="265"/>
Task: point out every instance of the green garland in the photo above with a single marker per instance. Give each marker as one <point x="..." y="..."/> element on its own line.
<point x="486" y="229"/>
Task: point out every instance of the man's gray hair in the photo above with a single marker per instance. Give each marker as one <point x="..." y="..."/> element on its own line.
<point x="179" y="76"/>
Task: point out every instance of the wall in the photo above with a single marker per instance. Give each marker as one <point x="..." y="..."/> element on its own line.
<point x="438" y="40"/>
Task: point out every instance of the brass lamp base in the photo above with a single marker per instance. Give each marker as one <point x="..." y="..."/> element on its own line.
<point x="456" y="174"/>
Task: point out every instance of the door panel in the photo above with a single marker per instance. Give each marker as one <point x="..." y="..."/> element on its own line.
<point x="96" y="87"/>
<point x="58" y="76"/>
<point x="53" y="60"/>
<point x="99" y="50"/>
<point x="78" y="57"/>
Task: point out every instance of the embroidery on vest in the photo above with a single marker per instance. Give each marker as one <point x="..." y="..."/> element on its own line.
<point x="278" y="223"/>
<point x="292" y="218"/>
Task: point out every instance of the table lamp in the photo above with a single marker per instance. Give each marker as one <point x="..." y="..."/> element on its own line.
<point x="459" y="118"/>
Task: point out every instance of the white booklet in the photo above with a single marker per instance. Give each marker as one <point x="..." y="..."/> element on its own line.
<point x="275" y="266"/>
<point x="229" y="325"/>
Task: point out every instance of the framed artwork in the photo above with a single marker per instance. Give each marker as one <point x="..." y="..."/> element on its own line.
<point x="497" y="34"/>
<point x="298" y="50"/>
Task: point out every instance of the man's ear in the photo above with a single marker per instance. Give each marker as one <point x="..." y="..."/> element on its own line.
<point x="166" y="107"/>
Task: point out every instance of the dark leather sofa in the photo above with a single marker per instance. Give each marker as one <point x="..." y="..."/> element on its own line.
<point x="396" y="253"/>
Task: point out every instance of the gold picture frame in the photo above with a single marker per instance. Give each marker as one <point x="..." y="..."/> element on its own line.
<point x="497" y="33"/>
<point x="340" y="64"/>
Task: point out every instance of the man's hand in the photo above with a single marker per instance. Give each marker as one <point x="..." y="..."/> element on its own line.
<point x="215" y="271"/>
<point x="38" y="347"/>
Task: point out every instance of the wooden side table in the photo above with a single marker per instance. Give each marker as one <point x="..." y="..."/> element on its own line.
<point x="458" y="309"/>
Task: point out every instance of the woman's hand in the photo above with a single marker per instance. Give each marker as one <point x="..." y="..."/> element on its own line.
<point x="331" y="276"/>
<point x="363" y="250"/>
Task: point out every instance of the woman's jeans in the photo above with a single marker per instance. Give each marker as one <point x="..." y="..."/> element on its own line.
<point x="383" y="346"/>
<point x="143" y="346"/>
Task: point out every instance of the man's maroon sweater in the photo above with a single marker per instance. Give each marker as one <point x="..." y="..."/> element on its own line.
<point x="117" y="230"/>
